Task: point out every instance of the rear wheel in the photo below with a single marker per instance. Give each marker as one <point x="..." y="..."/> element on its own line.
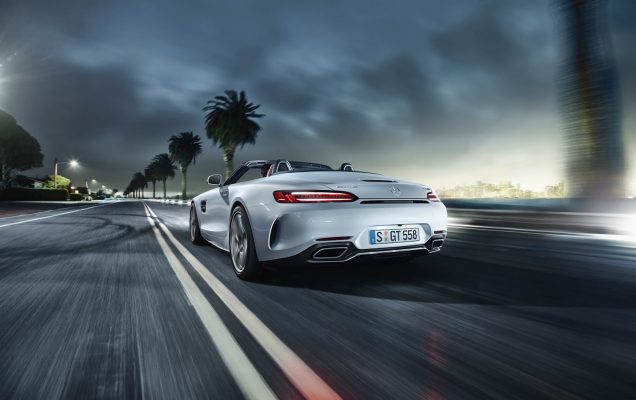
<point x="246" y="265"/>
<point x="195" y="230"/>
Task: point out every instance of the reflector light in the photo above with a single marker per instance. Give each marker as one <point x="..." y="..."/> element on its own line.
<point x="431" y="196"/>
<point x="328" y="239"/>
<point x="313" y="197"/>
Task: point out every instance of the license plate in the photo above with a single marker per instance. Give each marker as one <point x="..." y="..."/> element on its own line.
<point x="386" y="236"/>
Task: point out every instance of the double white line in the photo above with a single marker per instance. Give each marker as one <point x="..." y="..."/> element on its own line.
<point x="249" y="380"/>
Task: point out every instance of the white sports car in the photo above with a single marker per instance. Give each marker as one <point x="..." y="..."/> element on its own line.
<point x="282" y="212"/>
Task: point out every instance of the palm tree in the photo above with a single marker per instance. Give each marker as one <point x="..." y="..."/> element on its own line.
<point x="129" y="189"/>
<point x="139" y="182"/>
<point x="164" y="169"/>
<point x="137" y="185"/>
<point x="229" y="122"/>
<point x="184" y="150"/>
<point x="149" y="173"/>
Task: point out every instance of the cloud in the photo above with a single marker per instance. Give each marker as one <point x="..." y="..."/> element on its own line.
<point x="416" y="88"/>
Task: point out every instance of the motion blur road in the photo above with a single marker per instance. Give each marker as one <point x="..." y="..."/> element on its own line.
<point x="102" y="301"/>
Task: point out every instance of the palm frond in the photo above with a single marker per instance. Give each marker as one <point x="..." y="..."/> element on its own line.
<point x="229" y="120"/>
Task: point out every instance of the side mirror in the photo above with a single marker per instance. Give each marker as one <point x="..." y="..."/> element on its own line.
<point x="214" y="180"/>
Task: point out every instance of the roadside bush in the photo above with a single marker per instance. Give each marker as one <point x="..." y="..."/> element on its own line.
<point x="23" y="194"/>
<point x="75" y="196"/>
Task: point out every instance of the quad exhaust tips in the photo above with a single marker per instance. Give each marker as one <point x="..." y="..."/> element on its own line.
<point x="334" y="253"/>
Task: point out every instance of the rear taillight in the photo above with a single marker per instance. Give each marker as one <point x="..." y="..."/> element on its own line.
<point x="313" y="197"/>
<point x="431" y="196"/>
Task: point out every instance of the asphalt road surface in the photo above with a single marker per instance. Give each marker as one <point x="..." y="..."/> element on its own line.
<point x="111" y="300"/>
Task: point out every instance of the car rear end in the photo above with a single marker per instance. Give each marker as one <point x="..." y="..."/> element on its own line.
<point x="341" y="216"/>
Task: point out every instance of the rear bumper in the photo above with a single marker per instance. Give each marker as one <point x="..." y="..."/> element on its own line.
<point x="341" y="252"/>
<point x="284" y="231"/>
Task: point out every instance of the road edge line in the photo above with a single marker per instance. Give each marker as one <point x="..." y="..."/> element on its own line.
<point x="37" y="212"/>
<point x="54" y="215"/>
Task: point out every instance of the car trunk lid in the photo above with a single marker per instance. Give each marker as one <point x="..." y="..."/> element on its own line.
<point x="370" y="186"/>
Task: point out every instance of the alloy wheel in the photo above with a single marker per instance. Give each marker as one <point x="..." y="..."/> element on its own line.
<point x="193" y="225"/>
<point x="238" y="242"/>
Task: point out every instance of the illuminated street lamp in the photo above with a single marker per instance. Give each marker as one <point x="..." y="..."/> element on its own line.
<point x="92" y="182"/>
<point x="71" y="163"/>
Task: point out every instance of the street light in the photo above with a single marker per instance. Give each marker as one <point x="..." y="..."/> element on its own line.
<point x="71" y="163"/>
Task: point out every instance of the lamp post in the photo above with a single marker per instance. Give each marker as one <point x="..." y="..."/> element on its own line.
<point x="72" y="163"/>
<point x="91" y="182"/>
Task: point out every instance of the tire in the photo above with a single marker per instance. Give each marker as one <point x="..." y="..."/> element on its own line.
<point x="195" y="229"/>
<point x="242" y="249"/>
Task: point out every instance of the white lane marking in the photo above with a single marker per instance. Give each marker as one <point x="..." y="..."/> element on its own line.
<point x="54" y="215"/>
<point x="248" y="379"/>
<point x="308" y="383"/>
<point x="35" y="213"/>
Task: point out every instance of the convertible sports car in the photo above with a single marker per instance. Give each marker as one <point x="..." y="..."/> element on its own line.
<point x="290" y="212"/>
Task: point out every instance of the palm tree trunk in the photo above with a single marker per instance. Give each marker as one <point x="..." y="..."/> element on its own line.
<point x="153" y="189"/>
<point x="184" y="184"/>
<point x="228" y="158"/>
<point x="164" y="188"/>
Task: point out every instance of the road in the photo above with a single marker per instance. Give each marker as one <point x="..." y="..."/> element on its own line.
<point x="108" y="301"/>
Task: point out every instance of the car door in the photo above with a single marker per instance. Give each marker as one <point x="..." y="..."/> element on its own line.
<point x="214" y="208"/>
<point x="218" y="205"/>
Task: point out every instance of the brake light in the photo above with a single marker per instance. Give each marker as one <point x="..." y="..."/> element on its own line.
<point x="431" y="196"/>
<point x="313" y="197"/>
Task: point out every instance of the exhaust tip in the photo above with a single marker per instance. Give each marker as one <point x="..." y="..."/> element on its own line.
<point x="436" y="244"/>
<point x="329" y="253"/>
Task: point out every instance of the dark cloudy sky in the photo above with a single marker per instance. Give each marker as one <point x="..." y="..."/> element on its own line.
<point x="442" y="92"/>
